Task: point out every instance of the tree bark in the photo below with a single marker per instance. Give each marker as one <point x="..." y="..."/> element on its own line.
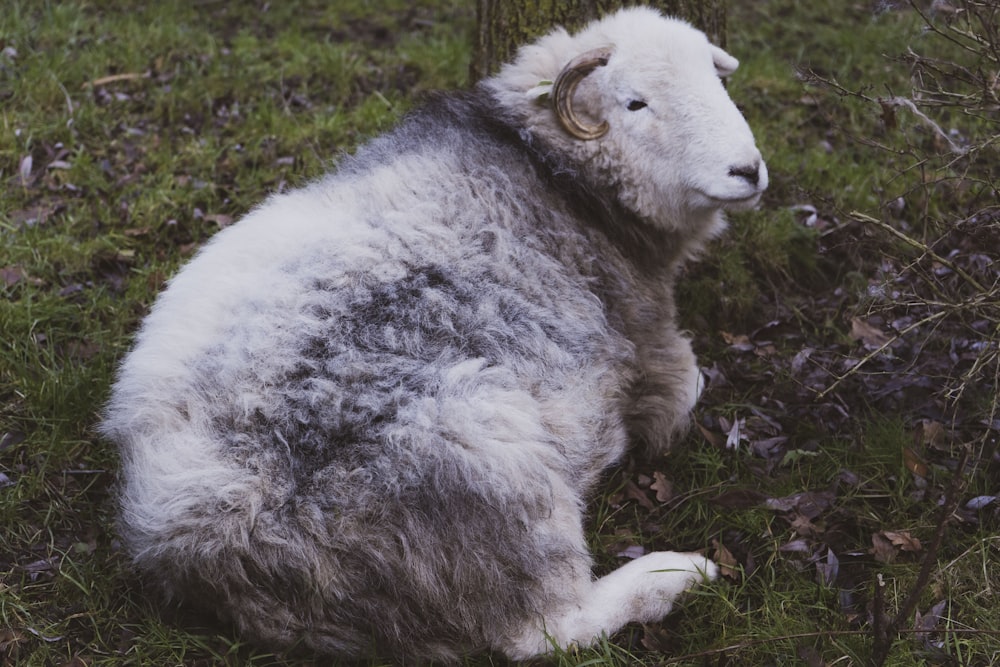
<point x="506" y="24"/>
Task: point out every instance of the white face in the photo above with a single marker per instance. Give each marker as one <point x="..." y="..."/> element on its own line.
<point x="673" y="128"/>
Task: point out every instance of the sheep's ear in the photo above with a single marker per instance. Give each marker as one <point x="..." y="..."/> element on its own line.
<point x="725" y="64"/>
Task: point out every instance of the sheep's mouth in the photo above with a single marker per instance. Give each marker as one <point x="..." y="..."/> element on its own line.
<point x="733" y="201"/>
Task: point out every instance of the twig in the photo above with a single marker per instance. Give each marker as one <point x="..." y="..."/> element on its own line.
<point x="882" y="639"/>
<point x="874" y="353"/>
<point x="114" y="78"/>
<point x="884" y="636"/>
<point x="923" y="247"/>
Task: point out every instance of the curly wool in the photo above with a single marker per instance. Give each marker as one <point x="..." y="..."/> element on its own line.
<point x="364" y="420"/>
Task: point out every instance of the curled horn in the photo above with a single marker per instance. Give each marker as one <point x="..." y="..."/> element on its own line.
<point x="564" y="87"/>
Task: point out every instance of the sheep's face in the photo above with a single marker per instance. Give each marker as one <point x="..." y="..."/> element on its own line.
<point x="674" y="146"/>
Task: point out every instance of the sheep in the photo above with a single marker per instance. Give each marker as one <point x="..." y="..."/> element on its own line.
<point x="365" y="419"/>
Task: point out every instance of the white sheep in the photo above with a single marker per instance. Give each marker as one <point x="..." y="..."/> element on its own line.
<point x="365" y="419"/>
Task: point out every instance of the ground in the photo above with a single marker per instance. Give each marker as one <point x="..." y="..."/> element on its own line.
<point x="844" y="465"/>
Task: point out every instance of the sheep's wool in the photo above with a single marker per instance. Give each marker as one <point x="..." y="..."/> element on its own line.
<point x="364" y="419"/>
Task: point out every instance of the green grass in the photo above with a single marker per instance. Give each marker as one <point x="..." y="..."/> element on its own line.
<point x="217" y="104"/>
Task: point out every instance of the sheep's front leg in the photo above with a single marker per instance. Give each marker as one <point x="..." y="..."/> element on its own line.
<point x="642" y="591"/>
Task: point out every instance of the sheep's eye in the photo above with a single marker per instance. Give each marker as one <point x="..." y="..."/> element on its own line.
<point x="635" y="105"/>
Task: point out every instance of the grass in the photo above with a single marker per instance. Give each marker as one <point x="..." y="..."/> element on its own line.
<point x="128" y="136"/>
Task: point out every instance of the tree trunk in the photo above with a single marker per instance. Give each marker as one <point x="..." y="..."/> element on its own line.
<point x="506" y="24"/>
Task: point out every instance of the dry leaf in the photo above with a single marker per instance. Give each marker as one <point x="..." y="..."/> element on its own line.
<point x="735" y="434"/>
<point x="926" y="623"/>
<point x="930" y="433"/>
<point x="633" y="492"/>
<point x="25" y="170"/>
<point x="828" y="570"/>
<point x="739" y="341"/>
<point x="903" y="540"/>
<point x="803" y="526"/>
<point x="882" y="548"/>
<point x="713" y="439"/>
<point x="867" y="334"/>
<point x="221" y="219"/>
<point x="809" y="504"/>
<point x="810" y="656"/>
<point x="664" y="487"/>
<point x="739" y="499"/>
<point x="728" y="566"/>
<point x="913" y="463"/>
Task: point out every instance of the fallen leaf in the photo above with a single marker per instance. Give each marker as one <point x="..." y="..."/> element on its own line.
<point x="807" y="503"/>
<point x="882" y="548"/>
<point x="979" y="502"/>
<point x="663" y="487"/>
<point x="25" y="170"/>
<point x="870" y="336"/>
<point x="803" y="526"/>
<point x="633" y="492"/>
<point x="810" y="656"/>
<point x="903" y="540"/>
<point x="735" y="434"/>
<point x="925" y="623"/>
<point x="930" y="433"/>
<point x="11" y="438"/>
<point x="913" y="463"/>
<point x="10" y="641"/>
<point x="713" y="438"/>
<point x="12" y="275"/>
<point x="828" y="569"/>
<point x="740" y="342"/>
<point x="728" y="565"/>
<point x="221" y="219"/>
<point x="796" y="546"/>
<point x="739" y="499"/>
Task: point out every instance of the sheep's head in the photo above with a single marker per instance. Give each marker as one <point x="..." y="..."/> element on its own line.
<point x="638" y="101"/>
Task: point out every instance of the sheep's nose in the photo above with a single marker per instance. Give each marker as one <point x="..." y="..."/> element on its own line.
<point x="750" y="173"/>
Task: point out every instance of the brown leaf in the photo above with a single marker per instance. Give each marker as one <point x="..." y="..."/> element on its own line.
<point x="930" y="433"/>
<point x="714" y="439"/>
<point x="10" y="642"/>
<point x="914" y="463"/>
<point x="803" y="526"/>
<point x="867" y="334"/>
<point x="888" y="114"/>
<point x="739" y="499"/>
<point x="810" y="656"/>
<point x="739" y="341"/>
<point x="12" y="275"/>
<point x="809" y="504"/>
<point x="827" y="569"/>
<point x="882" y="548"/>
<point x="927" y="622"/>
<point x="221" y="219"/>
<point x="663" y="487"/>
<point x="728" y="565"/>
<point x="903" y="540"/>
<point x="633" y="492"/>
